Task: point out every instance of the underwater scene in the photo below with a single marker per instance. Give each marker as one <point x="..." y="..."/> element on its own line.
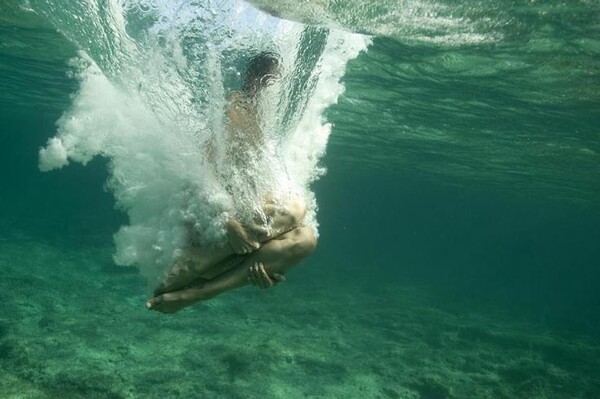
<point x="300" y="199"/>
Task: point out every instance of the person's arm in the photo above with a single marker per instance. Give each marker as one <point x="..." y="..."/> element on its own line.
<point x="282" y="219"/>
<point x="237" y="111"/>
<point x="245" y="239"/>
<point x="242" y="240"/>
<point x="258" y="276"/>
<point x="276" y="256"/>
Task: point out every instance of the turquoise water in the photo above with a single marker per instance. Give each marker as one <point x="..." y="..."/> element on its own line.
<point x="458" y="218"/>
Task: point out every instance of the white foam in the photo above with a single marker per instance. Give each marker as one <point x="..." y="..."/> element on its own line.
<point x="153" y="120"/>
<point x="53" y="156"/>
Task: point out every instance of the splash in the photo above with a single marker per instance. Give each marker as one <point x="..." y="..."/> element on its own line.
<point x="155" y="82"/>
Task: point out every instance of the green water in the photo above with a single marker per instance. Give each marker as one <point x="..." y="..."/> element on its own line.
<point x="459" y="244"/>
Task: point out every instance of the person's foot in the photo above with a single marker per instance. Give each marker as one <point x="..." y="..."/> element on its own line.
<point x="172" y="302"/>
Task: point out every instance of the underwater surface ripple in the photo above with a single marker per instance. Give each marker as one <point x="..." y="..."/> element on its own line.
<point x="520" y="113"/>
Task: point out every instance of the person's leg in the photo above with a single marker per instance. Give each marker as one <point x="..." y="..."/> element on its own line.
<point x="196" y="262"/>
<point x="277" y="255"/>
<point x="284" y="218"/>
<point x="192" y="263"/>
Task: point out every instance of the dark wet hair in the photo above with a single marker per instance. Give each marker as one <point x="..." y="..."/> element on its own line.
<point x="260" y="66"/>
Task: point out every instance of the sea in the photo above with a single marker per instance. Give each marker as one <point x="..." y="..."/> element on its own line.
<point x="448" y="153"/>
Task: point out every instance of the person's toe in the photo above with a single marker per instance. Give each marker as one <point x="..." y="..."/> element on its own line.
<point x="162" y="304"/>
<point x="155" y="302"/>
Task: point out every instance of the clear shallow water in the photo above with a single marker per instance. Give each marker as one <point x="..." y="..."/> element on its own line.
<point x="459" y="236"/>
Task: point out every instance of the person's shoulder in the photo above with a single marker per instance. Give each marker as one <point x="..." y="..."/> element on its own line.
<point x="236" y="97"/>
<point x="236" y="101"/>
<point x="239" y="100"/>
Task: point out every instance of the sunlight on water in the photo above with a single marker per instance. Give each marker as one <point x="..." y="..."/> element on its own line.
<point x="414" y="20"/>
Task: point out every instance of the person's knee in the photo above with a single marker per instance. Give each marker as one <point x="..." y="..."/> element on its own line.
<point x="297" y="210"/>
<point x="305" y="242"/>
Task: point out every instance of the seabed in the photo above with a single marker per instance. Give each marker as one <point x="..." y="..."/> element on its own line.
<point x="81" y="331"/>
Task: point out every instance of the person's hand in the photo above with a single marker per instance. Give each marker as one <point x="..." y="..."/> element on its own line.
<point x="257" y="275"/>
<point x="241" y="240"/>
<point x="258" y="231"/>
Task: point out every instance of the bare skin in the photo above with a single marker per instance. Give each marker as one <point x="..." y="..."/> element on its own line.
<point x="275" y="257"/>
<point x="197" y="262"/>
<point x="253" y="254"/>
<point x="244" y="133"/>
